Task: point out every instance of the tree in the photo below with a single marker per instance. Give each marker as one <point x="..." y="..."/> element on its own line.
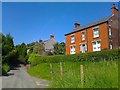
<point x="62" y="48"/>
<point x="30" y="47"/>
<point x="31" y="44"/>
<point x="22" y="52"/>
<point x="7" y="44"/>
<point x="59" y="48"/>
<point x="9" y="41"/>
<point x="9" y="54"/>
<point x="39" y="49"/>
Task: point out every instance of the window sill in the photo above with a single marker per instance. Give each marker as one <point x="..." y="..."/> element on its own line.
<point x="72" y="42"/>
<point x="96" y="37"/>
<point x="83" y="40"/>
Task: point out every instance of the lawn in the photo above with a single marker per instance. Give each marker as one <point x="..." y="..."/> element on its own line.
<point x="96" y="74"/>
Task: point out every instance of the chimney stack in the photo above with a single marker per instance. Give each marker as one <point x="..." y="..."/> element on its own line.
<point x="76" y="24"/>
<point x="114" y="10"/>
<point x="51" y="36"/>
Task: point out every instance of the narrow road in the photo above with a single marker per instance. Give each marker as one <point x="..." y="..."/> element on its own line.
<point x="19" y="78"/>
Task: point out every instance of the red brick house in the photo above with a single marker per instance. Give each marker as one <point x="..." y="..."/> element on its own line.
<point x="96" y="36"/>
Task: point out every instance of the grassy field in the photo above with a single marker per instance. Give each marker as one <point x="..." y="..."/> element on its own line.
<point x="96" y="74"/>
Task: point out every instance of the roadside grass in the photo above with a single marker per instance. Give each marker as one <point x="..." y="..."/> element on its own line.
<point x="96" y="74"/>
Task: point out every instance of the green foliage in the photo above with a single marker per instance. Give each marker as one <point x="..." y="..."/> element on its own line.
<point x="0" y="43"/>
<point x="5" y="68"/>
<point x="92" y="57"/>
<point x="43" y="72"/>
<point x="10" y="58"/>
<point x="30" y="47"/>
<point x="9" y="54"/>
<point x="59" y="48"/>
<point x="7" y="44"/>
<point x="96" y="74"/>
<point x="22" y="52"/>
<point x="9" y="41"/>
<point x="100" y="69"/>
<point x="31" y="44"/>
<point x="38" y="48"/>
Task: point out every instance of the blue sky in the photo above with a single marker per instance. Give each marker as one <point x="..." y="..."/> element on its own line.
<point x="28" y="22"/>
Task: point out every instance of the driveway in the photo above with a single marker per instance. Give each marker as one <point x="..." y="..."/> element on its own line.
<point x="19" y="78"/>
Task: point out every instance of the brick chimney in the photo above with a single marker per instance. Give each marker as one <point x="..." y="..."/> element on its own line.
<point x="76" y="24"/>
<point x="51" y="36"/>
<point x="114" y="10"/>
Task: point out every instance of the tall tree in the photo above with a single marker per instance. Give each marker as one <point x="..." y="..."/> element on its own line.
<point x="9" y="54"/>
<point x="59" y="48"/>
<point x="22" y="52"/>
<point x="9" y="41"/>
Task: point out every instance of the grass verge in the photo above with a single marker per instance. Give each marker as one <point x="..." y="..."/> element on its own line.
<point x="96" y="74"/>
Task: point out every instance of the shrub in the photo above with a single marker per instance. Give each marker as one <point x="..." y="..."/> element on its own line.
<point x="5" y="69"/>
<point x="35" y="59"/>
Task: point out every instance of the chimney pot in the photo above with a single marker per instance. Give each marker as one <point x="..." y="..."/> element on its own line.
<point x="113" y="5"/>
<point x="51" y="36"/>
<point x="76" y="24"/>
<point x="114" y="10"/>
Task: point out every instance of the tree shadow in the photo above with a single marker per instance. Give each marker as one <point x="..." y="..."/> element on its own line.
<point x="8" y="74"/>
<point x="15" y="67"/>
<point x="11" y="68"/>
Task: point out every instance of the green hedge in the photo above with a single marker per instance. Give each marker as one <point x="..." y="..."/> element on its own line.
<point x="5" y="69"/>
<point x="35" y="59"/>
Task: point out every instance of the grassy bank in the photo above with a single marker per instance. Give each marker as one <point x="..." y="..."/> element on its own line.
<point x="96" y="74"/>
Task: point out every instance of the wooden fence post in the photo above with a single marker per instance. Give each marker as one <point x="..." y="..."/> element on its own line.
<point x="61" y="70"/>
<point x="51" y="71"/>
<point x="81" y="74"/>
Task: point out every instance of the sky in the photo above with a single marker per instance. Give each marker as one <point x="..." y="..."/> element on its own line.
<point x="29" y="21"/>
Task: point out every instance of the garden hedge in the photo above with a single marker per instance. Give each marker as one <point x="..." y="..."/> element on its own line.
<point x="5" y="68"/>
<point x="35" y="59"/>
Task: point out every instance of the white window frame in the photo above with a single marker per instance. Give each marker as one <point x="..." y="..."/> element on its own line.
<point x="72" y="37"/>
<point x="96" y="45"/>
<point x="95" y="33"/>
<point x="83" y="36"/>
<point x="109" y="31"/>
<point x="83" y="50"/>
<point x="111" y="46"/>
<point x="72" y="49"/>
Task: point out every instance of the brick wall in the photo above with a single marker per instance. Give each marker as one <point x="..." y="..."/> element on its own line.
<point x="103" y="36"/>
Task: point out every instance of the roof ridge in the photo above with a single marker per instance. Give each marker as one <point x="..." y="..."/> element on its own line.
<point x="101" y="20"/>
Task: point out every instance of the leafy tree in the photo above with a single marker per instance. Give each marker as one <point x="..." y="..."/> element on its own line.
<point x="62" y="48"/>
<point x="30" y="47"/>
<point x="38" y="48"/>
<point x="9" y="41"/>
<point x="59" y="48"/>
<point x="9" y="54"/>
<point x="22" y="52"/>
<point x="31" y="44"/>
<point x="0" y="44"/>
<point x="7" y="44"/>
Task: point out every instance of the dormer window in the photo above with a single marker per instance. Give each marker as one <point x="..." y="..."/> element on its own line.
<point x="95" y="32"/>
<point x="72" y="39"/>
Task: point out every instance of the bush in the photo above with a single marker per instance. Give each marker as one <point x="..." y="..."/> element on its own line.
<point x="35" y="59"/>
<point x="5" y="69"/>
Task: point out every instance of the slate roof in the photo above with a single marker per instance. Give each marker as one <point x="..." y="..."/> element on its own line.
<point x="90" y="25"/>
<point x="49" y="44"/>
